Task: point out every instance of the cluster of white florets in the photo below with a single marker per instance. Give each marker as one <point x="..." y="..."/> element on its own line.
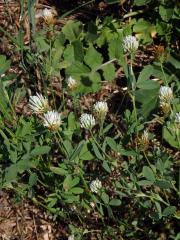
<point x="130" y="44"/>
<point x="40" y="106"/>
<point x="88" y="121"/>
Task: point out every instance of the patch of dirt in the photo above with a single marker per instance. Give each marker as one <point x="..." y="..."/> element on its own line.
<point x="26" y="221"/>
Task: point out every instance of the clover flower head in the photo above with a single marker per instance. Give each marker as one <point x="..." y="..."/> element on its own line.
<point x="101" y="109"/>
<point x="130" y="44"/>
<point x="165" y="94"/>
<point x="72" y="83"/>
<point x="38" y="103"/>
<point x="145" y="136"/>
<point x="52" y="120"/>
<point x="71" y="237"/>
<point x="48" y="16"/>
<point x="177" y="117"/>
<point x="95" y="185"/>
<point x="166" y="107"/>
<point x="87" y="121"/>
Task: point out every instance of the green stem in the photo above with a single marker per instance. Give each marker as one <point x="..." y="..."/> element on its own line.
<point x="99" y="146"/>
<point x="164" y="75"/>
<point x="149" y="162"/>
<point x="135" y="111"/>
<point x="106" y="63"/>
<point x="101" y="127"/>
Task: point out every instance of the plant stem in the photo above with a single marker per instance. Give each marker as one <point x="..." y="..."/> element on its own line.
<point x="162" y="69"/>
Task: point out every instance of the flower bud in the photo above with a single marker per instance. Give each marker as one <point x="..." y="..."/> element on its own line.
<point x="72" y="83"/>
<point x="101" y="109"/>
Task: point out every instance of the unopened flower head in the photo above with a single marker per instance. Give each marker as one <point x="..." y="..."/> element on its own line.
<point x="165" y="94"/>
<point x="52" y="120"/>
<point x="145" y="136"/>
<point x="165" y="107"/>
<point x="72" y="83"/>
<point x="87" y="121"/>
<point x="95" y="185"/>
<point x="38" y="103"/>
<point x="101" y="109"/>
<point x="48" y="16"/>
<point x="130" y="44"/>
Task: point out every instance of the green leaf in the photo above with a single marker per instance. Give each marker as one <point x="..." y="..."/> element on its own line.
<point x="72" y="124"/>
<point x="148" y="100"/>
<point x="169" y="211"/>
<point x="77" y="69"/>
<point x="144" y="29"/>
<point x="107" y="128"/>
<point x="78" y="50"/>
<point x="85" y="153"/>
<point x="77" y="190"/>
<point x="163" y="184"/>
<point x="115" y="49"/>
<point x="169" y="136"/>
<point x="4" y="64"/>
<point x="67" y="183"/>
<point x="105" y="197"/>
<point x="141" y="2"/>
<point x="40" y="150"/>
<point x="77" y="151"/>
<point x="4" y="104"/>
<point x="165" y="13"/>
<point x="97" y="152"/>
<point x="33" y="179"/>
<point x="144" y="81"/>
<point x="11" y="173"/>
<point x="93" y="58"/>
<point x="59" y="171"/>
<point x="109" y="72"/>
<point x="70" y="198"/>
<point x="41" y="43"/>
<point x="74" y="52"/>
<point x="72" y="30"/>
<point x="106" y="166"/>
<point x="91" y="35"/>
<point x="148" y="174"/>
<point x="115" y="202"/>
<point x="144" y="183"/>
<point x="112" y="144"/>
<point x="159" y="211"/>
<point x="70" y="182"/>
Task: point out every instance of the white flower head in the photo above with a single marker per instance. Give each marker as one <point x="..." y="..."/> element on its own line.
<point x="72" y="83"/>
<point x="130" y="44"/>
<point x="38" y="103"/>
<point x="87" y="121"/>
<point x="48" y="15"/>
<point x="177" y="118"/>
<point x="52" y="120"/>
<point x="71" y="237"/>
<point x="101" y="109"/>
<point x="145" y="136"/>
<point x="95" y="185"/>
<point x="165" y="94"/>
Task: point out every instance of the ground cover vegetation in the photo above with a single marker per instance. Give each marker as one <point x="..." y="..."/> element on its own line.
<point x="90" y="121"/>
